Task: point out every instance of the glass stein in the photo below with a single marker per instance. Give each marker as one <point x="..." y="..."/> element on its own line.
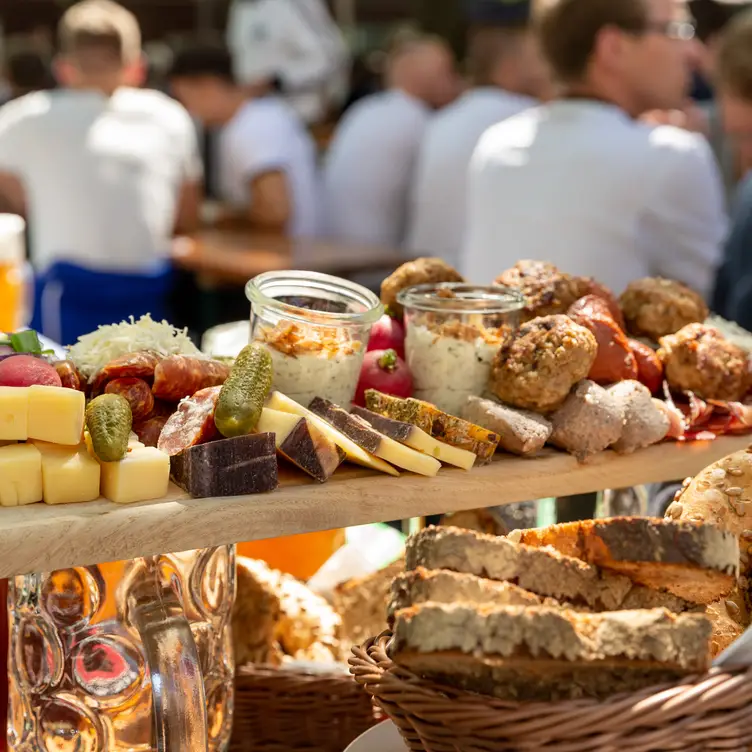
<point x="111" y="657"/>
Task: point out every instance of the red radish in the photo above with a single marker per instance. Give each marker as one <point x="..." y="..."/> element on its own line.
<point x="388" y="334"/>
<point x="26" y="370"/>
<point x="385" y="371"/>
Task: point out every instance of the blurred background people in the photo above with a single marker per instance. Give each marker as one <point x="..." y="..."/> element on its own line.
<point x="266" y="158"/>
<point x="106" y="171"/>
<point x="369" y="167"/>
<point x="26" y="70"/>
<point x="579" y="181"/>
<point x="507" y="73"/>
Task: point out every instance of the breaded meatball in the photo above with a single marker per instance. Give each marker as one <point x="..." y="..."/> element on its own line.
<point x="422" y="271"/>
<point x="537" y="367"/>
<point x="655" y="307"/>
<point x="699" y="359"/>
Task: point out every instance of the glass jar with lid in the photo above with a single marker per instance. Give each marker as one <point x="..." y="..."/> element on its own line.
<point x="454" y="331"/>
<point x="316" y="328"/>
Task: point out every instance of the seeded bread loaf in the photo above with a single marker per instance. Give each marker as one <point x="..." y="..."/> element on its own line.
<point x="693" y="561"/>
<point x="542" y="571"/>
<point x="539" y="653"/>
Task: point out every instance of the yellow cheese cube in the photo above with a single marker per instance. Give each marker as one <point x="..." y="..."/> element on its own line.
<point x="56" y="415"/>
<point x="69" y="475"/>
<point x="143" y="474"/>
<point x="14" y="413"/>
<point x="20" y="475"/>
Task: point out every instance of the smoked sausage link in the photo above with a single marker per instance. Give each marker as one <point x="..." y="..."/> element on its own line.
<point x="614" y="361"/>
<point x="150" y="430"/>
<point x="601" y="291"/>
<point x="649" y="367"/>
<point x="70" y="376"/>
<point x="138" y="394"/>
<point x="192" y="423"/>
<point x="137" y="365"/>
<point x="180" y="376"/>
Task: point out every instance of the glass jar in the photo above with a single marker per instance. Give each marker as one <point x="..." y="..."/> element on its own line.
<point x="316" y="328"/>
<point x="453" y="332"/>
<point x="14" y="282"/>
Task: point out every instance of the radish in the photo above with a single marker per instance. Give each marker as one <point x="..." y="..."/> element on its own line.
<point x="388" y="334"/>
<point x="386" y="372"/>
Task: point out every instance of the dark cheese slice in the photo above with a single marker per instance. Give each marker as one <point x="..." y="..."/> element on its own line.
<point x="228" y="467"/>
<point x="394" y="429"/>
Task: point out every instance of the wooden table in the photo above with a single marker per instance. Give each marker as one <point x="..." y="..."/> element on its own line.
<point x="42" y="538"/>
<point x="235" y="256"/>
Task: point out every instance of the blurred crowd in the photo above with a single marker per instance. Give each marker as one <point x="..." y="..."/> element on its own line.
<point x="611" y="137"/>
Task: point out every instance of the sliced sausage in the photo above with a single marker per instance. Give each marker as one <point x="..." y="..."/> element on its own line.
<point x="70" y="376"/>
<point x="649" y="366"/>
<point x="180" y="376"/>
<point x="138" y="365"/>
<point x="137" y="392"/>
<point x="192" y="423"/>
<point x="149" y="431"/>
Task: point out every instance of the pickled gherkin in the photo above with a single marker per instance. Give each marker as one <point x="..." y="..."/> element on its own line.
<point x="244" y="393"/>
<point x="108" y="421"/>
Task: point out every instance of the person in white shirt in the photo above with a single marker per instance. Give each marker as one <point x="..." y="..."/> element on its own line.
<point x="580" y="181"/>
<point x="508" y="74"/>
<point x="296" y="43"/>
<point x="370" y="163"/>
<point x="266" y="157"/>
<point x="107" y="173"/>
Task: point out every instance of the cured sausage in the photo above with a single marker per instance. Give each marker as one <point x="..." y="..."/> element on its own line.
<point x="137" y="392"/>
<point x="614" y="361"/>
<point x="137" y="365"/>
<point x="70" y="376"/>
<point x="180" y="376"/>
<point x="649" y="366"/>
<point x="602" y="292"/>
<point x="149" y="431"/>
<point x="192" y="423"/>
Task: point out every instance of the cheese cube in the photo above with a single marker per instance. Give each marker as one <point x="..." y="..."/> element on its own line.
<point x="56" y="415"/>
<point x="69" y="474"/>
<point x="14" y="413"/>
<point x="142" y="474"/>
<point x="20" y="475"/>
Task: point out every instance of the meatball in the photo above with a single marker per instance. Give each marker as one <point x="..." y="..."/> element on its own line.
<point x="422" y="271"/>
<point x="699" y="359"/>
<point x="536" y="368"/>
<point x="655" y="307"/>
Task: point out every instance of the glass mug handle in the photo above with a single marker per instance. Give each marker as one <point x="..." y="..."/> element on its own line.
<point x="176" y="682"/>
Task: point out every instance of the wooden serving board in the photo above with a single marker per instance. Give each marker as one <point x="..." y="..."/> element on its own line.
<point x="42" y="538"/>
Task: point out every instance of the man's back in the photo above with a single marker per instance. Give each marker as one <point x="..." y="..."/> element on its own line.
<point x="369" y="168"/>
<point x="102" y="175"/>
<point x="582" y="185"/>
<point x="437" y="221"/>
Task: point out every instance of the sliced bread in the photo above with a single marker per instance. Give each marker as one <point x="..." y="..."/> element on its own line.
<point x="539" y="653"/>
<point x="694" y="561"/>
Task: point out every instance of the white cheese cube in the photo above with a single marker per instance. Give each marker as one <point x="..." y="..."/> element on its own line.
<point x="20" y="475"/>
<point x="69" y="474"/>
<point x="14" y="413"/>
<point x="143" y="474"/>
<point x="56" y="415"/>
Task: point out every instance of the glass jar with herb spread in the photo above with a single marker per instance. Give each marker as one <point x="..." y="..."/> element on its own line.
<point x="454" y="331"/>
<point x="316" y="328"/>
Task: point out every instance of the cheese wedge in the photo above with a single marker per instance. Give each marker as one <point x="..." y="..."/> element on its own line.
<point x="299" y="441"/>
<point x="14" y="413"/>
<point x="368" y="438"/>
<point x="356" y="454"/>
<point x="417" y="439"/>
<point x="20" y="475"/>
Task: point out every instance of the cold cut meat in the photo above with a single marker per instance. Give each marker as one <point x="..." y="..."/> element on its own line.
<point x="149" y="431"/>
<point x="192" y="423"/>
<point x="138" y="394"/>
<point x="602" y="292"/>
<point x="70" y="376"/>
<point x="180" y="376"/>
<point x="137" y="365"/>
<point x="649" y="366"/>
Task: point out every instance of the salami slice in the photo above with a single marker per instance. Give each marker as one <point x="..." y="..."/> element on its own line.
<point x="138" y="365"/>
<point x="192" y="423"/>
<point x="180" y="376"/>
<point x="137" y="392"/>
<point x="70" y="376"/>
<point x="149" y="431"/>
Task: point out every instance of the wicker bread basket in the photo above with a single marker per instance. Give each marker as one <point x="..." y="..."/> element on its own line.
<point x="710" y="712"/>
<point x="286" y="710"/>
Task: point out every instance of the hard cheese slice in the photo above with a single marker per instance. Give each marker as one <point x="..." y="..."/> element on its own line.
<point x="14" y="413"/>
<point x="302" y="443"/>
<point x="367" y="437"/>
<point x="56" y="415"/>
<point x="278" y="401"/>
<point x="20" y="475"/>
<point x="69" y="474"/>
<point x="418" y="439"/>
<point x="448" y="428"/>
<point x="143" y="474"/>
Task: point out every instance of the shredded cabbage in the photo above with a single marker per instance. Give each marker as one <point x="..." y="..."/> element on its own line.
<point x="95" y="350"/>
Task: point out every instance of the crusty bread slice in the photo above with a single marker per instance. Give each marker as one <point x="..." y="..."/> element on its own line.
<point x="540" y="653"/>
<point x="694" y="561"/>
<point x="542" y="571"/>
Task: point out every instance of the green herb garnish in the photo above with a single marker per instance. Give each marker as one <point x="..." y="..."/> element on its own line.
<point x="26" y="342"/>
